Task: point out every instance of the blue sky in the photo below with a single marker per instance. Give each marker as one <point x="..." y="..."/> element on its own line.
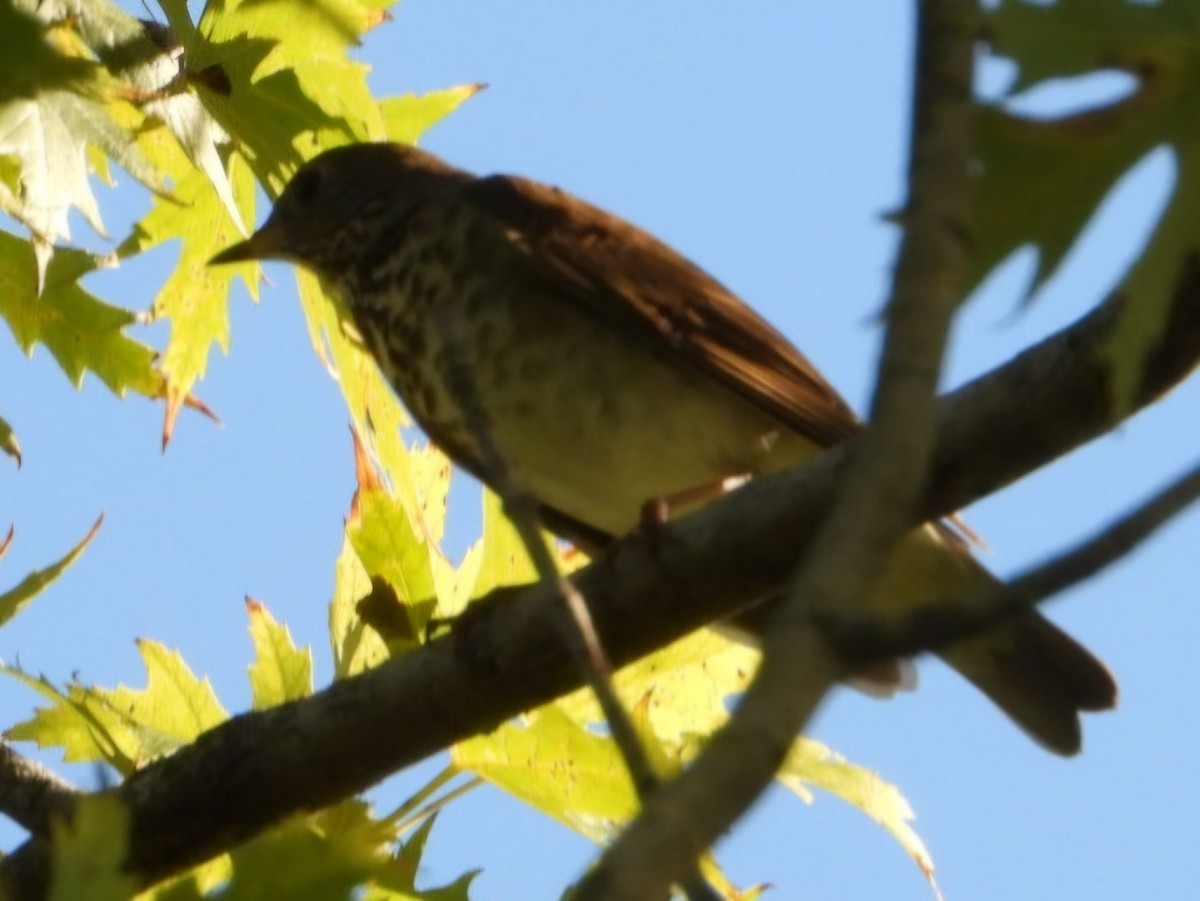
<point x="765" y="142"/>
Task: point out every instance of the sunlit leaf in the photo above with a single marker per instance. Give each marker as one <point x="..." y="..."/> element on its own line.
<point x="556" y="766"/>
<point x="82" y="333"/>
<point x="292" y="90"/>
<point x="810" y="763"/>
<point x="8" y="441"/>
<point x="194" y="297"/>
<point x="125" y="727"/>
<point x="69" y="724"/>
<point x="383" y="535"/>
<point x="398" y="880"/>
<point x="14" y="601"/>
<point x="356" y="646"/>
<point x="281" y="671"/>
<point x="504" y="560"/>
<point x="407" y="117"/>
<point x="89" y="852"/>
<point x="48" y="132"/>
<point x="687" y="684"/>
<point x="29" y="61"/>
<point x="296" y="862"/>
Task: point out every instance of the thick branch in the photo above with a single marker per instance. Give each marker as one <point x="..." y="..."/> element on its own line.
<point x="32" y="794"/>
<point x="260" y="767"/>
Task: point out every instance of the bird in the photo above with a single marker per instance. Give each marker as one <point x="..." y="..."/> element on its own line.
<point x="612" y="371"/>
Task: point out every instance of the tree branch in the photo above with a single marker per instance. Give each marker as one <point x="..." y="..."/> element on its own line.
<point x="31" y="794"/>
<point x="864" y="639"/>
<point x="876" y="495"/>
<point x="260" y="767"/>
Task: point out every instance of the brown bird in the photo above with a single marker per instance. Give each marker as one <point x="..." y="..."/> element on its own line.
<point x="612" y="371"/>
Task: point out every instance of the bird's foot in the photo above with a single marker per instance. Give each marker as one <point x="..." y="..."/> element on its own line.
<point x="656" y="512"/>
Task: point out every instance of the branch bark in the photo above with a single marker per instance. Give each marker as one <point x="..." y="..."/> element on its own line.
<point x="260" y="767"/>
<point x="31" y="794"/>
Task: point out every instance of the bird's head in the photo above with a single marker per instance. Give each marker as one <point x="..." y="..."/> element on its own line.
<point x="327" y="214"/>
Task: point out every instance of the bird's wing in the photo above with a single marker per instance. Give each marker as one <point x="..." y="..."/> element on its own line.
<point x="630" y="278"/>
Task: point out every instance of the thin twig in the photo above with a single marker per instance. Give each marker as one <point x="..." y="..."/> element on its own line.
<point x="878" y="493"/>
<point x="863" y="639"/>
<point x="434" y="806"/>
<point x="31" y="794"/>
<point x="416" y="800"/>
<point x="584" y="639"/>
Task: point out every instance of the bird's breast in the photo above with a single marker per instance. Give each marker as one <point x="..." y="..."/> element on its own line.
<point x="590" y="421"/>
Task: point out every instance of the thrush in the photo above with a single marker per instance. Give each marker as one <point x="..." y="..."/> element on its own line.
<point x="611" y="371"/>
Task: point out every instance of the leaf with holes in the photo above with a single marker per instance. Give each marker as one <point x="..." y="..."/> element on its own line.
<point x="1041" y="180"/>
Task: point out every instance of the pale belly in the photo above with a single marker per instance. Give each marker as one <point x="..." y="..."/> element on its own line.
<point x="595" y="427"/>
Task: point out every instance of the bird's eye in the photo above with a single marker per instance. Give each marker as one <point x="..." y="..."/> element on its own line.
<point x="305" y="185"/>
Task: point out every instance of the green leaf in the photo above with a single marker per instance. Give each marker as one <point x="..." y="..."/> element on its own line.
<point x="8" y="441"/>
<point x="352" y="822"/>
<point x="122" y="726"/>
<point x="70" y="724"/>
<point x="48" y="134"/>
<point x="148" y="59"/>
<point x="503" y="558"/>
<point x="111" y="33"/>
<point x="82" y="333"/>
<point x="407" y="117"/>
<point x="89" y="852"/>
<point x="812" y="763"/>
<point x="375" y="412"/>
<point x="418" y="478"/>
<point x="397" y="881"/>
<point x="293" y="91"/>
<point x="390" y="548"/>
<point x="29" y="61"/>
<point x="195" y="296"/>
<point x="356" y="646"/>
<point x="294" y="862"/>
<point x="280" y="672"/>
<point x="684" y="686"/>
<point x="1042" y="180"/>
<point x="393" y="528"/>
<point x="13" y="601"/>
<point x="555" y="765"/>
<point x="498" y="560"/>
<point x="337" y="852"/>
<point x="681" y="695"/>
<point x="47" y="137"/>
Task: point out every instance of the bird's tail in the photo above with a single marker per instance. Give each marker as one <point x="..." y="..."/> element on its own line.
<point x="1036" y="673"/>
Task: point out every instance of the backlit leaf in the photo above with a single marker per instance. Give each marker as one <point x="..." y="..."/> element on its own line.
<point x="123" y="726"/>
<point x="15" y="600"/>
<point x="1043" y="179"/>
<point x="281" y="671"/>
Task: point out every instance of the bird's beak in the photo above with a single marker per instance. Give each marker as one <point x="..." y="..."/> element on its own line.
<point x="264" y="244"/>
